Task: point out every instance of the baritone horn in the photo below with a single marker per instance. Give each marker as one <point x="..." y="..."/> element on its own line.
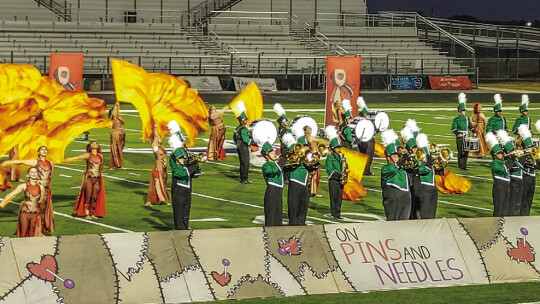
<point x="441" y="161"/>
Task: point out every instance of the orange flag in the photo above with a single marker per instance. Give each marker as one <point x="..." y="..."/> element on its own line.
<point x="452" y="183"/>
<point x="159" y="98"/>
<point x="353" y="189"/>
<point x="379" y="150"/>
<point x="252" y="98"/>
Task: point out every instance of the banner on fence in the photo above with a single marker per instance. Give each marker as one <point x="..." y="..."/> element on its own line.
<point x="406" y="82"/>
<point x="67" y="70"/>
<point x="203" y="83"/>
<point x="342" y="82"/>
<point x="264" y="84"/>
<point x="450" y="83"/>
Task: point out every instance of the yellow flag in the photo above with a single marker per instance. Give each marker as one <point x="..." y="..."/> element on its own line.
<point x="452" y="183"/>
<point x="353" y="189"/>
<point x="159" y="98"/>
<point x="252" y="98"/>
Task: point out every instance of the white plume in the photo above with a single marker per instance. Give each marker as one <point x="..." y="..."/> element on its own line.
<point x="524" y="132"/>
<point x="173" y="127"/>
<point x="497" y="98"/>
<point x="462" y="98"/>
<point x="491" y="139"/>
<point x="411" y="124"/>
<point x="279" y="109"/>
<point x="388" y="137"/>
<point x="406" y="133"/>
<point x="241" y="106"/>
<point x="331" y="132"/>
<point x="525" y="99"/>
<point x="537" y="125"/>
<point x="503" y="137"/>
<point x="361" y="102"/>
<point x="346" y="105"/>
<point x="288" y="139"/>
<point x="175" y="142"/>
<point x="422" y="141"/>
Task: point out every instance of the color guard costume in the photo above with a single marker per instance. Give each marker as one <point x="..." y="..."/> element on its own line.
<point x="497" y="121"/>
<point x="367" y="147"/>
<point x="394" y="183"/>
<point x="333" y="169"/>
<point x="461" y="125"/>
<point x="181" y="182"/>
<point x="501" y="177"/>
<point x="429" y="193"/>
<point x="242" y="139"/>
<point x="273" y="202"/>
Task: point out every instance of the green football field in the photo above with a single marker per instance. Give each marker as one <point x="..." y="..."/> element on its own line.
<point x="220" y="201"/>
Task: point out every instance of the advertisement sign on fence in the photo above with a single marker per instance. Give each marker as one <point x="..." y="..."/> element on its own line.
<point x="406" y="82"/>
<point x="450" y="83"/>
<point x="203" y="83"/>
<point x="264" y="84"/>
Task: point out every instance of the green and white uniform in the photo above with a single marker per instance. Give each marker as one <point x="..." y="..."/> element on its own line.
<point x="395" y="192"/>
<point x="273" y="202"/>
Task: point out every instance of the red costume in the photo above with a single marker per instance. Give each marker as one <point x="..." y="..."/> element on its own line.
<point x="92" y="194"/>
<point x="29" y="220"/>
<point x="47" y="217"/>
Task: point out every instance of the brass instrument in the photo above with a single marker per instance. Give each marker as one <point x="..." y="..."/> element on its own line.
<point x="311" y="159"/>
<point x="420" y="155"/>
<point x="192" y="163"/>
<point x="441" y="161"/>
<point x="528" y="157"/>
<point x="407" y="160"/>
<point x="344" y="170"/>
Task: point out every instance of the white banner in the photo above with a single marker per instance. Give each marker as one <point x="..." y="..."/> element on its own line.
<point x="204" y="83"/>
<point x="264" y="84"/>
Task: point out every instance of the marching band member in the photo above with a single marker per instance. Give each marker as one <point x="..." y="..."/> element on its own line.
<point x="29" y="220"/>
<point x="242" y="139"/>
<point x="314" y="175"/>
<point x="411" y="124"/>
<point x="45" y="173"/>
<point x="497" y="121"/>
<point x="428" y="191"/>
<point x="345" y="132"/>
<point x="529" y="171"/>
<point x="516" y="177"/>
<point x="412" y="173"/>
<point x="501" y="177"/>
<point x="283" y="129"/>
<point x="273" y="175"/>
<point x="394" y="183"/>
<point x="523" y="119"/>
<point x="369" y="146"/>
<point x="461" y="126"/>
<point x="334" y="162"/>
<point x="298" y="192"/>
<point x="181" y="181"/>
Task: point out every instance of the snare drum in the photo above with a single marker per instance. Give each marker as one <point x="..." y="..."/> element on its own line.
<point x="535" y="141"/>
<point x="472" y="144"/>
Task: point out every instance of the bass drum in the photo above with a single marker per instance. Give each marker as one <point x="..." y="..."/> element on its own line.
<point x="263" y="130"/>
<point x="299" y="122"/>
<point x="381" y="121"/>
<point x="364" y="130"/>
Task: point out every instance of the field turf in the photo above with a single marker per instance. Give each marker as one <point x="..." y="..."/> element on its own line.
<point x="220" y="201"/>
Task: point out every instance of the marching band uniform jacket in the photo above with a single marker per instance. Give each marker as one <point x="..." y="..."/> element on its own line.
<point x="395" y="192"/>
<point x="273" y="202"/>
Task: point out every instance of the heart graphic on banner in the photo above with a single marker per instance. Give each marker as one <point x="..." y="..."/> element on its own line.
<point x="523" y="253"/>
<point x="48" y="262"/>
<point x="222" y="279"/>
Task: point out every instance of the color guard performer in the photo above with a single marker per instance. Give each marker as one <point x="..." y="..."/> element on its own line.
<point x="118" y="138"/>
<point x="497" y="121"/>
<point x="215" y="149"/>
<point x="157" y="187"/>
<point x="273" y="175"/>
<point x="428" y="191"/>
<point x="345" y="132"/>
<point x="242" y="139"/>
<point x="335" y="163"/>
<point x="394" y="183"/>
<point x="29" y="220"/>
<point x="461" y="126"/>
<point x="501" y="177"/>
<point x="369" y="146"/>
<point x="181" y="181"/>
<point x="529" y="171"/>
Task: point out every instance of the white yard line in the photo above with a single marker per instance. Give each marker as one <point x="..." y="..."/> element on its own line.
<point x="63" y="175"/>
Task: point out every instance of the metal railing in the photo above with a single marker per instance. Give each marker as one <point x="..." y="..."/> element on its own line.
<point x="61" y="9"/>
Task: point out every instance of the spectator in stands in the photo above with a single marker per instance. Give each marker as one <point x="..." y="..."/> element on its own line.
<point x="215" y="149"/>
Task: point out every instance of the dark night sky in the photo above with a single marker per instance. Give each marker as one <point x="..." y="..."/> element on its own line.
<point x="500" y="10"/>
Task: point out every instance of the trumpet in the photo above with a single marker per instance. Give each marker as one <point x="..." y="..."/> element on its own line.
<point x="196" y="158"/>
<point x="528" y="157"/>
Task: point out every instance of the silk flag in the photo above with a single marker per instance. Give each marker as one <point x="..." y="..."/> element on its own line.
<point x="252" y="98"/>
<point x="353" y="189"/>
<point x="159" y="98"/>
<point x="342" y="82"/>
<point x="452" y="183"/>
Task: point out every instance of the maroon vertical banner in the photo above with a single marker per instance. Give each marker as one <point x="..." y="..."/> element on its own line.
<point x="342" y="82"/>
<point x="67" y="70"/>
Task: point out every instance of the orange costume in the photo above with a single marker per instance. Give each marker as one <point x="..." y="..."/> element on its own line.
<point x="118" y="141"/>
<point x="157" y="189"/>
<point x="29" y="221"/>
<point x="215" y="149"/>
<point x="91" y="197"/>
<point x="479" y="122"/>
<point x="44" y="172"/>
